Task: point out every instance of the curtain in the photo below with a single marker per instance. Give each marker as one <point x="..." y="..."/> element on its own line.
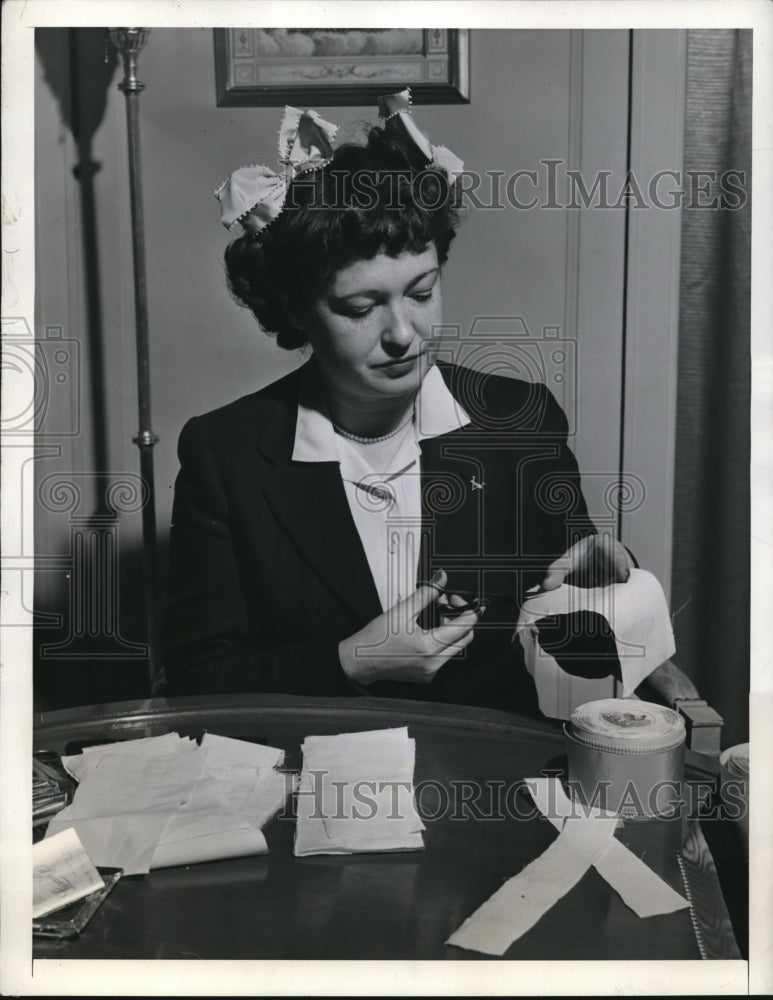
<point x="710" y="585"/>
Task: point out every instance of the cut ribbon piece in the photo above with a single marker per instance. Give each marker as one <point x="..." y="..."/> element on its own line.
<point x="254" y="195"/>
<point x="524" y="899"/>
<point x="639" y="887"/>
<point x="586" y="839"/>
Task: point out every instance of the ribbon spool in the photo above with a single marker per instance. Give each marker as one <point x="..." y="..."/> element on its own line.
<point x="734" y="772"/>
<point x="627" y="756"/>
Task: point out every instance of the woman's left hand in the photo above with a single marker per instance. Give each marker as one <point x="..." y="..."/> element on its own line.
<point x="594" y="561"/>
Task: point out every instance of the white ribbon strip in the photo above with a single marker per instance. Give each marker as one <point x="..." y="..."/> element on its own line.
<point x="638" y="886"/>
<point x="523" y="900"/>
<point x="585" y="840"/>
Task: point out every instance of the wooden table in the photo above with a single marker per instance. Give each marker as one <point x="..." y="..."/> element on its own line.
<point x="378" y="906"/>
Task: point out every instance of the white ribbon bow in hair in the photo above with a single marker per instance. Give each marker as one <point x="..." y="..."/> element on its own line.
<point x="436" y="156"/>
<point x="254" y="195"/>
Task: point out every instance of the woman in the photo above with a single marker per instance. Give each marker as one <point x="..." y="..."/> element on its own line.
<point x="336" y="532"/>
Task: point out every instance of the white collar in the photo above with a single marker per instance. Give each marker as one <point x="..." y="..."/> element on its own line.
<point x="437" y="412"/>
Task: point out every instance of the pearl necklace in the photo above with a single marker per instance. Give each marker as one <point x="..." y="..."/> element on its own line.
<point x="361" y="439"/>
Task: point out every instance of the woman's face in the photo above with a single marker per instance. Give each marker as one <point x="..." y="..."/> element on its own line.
<point x="371" y="328"/>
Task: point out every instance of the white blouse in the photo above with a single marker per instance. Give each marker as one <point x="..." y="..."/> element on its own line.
<point x="385" y="503"/>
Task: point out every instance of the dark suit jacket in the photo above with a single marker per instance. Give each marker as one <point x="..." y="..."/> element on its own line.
<point x="268" y="573"/>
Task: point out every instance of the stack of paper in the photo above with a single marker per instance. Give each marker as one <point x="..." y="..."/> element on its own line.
<point x="356" y="794"/>
<point x="162" y="801"/>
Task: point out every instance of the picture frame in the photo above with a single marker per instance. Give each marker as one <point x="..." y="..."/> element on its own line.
<point x="265" y="67"/>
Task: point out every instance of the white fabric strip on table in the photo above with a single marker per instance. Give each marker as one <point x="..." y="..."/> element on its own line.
<point x="524" y="899"/>
<point x="640" y="888"/>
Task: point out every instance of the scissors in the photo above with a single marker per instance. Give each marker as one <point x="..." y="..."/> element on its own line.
<point x="474" y="600"/>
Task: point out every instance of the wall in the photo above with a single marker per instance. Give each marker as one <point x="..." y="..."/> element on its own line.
<point x="535" y="96"/>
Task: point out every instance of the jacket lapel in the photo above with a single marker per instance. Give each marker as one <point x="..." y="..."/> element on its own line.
<point x="309" y="503"/>
<point x="452" y="510"/>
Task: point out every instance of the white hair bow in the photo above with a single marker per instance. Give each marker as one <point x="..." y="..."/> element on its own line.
<point x="254" y="195"/>
<point x="437" y="156"/>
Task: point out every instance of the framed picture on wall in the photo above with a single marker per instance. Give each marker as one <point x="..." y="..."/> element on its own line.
<point x="340" y="66"/>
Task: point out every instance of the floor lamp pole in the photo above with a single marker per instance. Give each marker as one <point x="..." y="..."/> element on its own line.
<point x="129" y="42"/>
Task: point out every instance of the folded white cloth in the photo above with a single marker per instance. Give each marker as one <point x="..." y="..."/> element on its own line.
<point x="356" y="794"/>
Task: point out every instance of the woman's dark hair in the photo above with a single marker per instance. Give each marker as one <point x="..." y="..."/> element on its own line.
<point x="377" y="197"/>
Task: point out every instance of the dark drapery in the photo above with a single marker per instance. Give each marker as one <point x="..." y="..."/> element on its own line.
<point x="710" y="585"/>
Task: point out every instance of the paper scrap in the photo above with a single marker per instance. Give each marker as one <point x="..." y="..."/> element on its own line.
<point x="62" y="873"/>
<point x="524" y="899"/>
<point x="640" y="888"/>
<point x="637" y="615"/>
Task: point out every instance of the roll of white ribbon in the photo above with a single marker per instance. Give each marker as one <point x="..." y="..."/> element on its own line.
<point x="734" y="769"/>
<point x="627" y="756"/>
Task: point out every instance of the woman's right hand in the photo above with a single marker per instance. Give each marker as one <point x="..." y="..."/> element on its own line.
<point x="394" y="647"/>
